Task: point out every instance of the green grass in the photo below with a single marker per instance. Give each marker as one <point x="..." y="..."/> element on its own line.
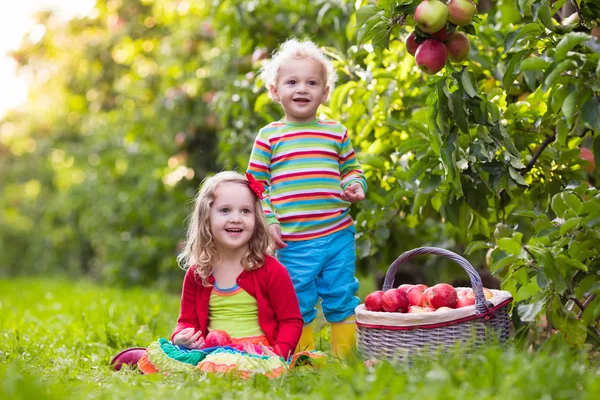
<point x="58" y="338"/>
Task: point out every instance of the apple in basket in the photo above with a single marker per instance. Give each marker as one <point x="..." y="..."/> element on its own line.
<point x="441" y="295"/>
<point x="415" y="295"/>
<point x="444" y="308"/>
<point x="373" y="301"/>
<point x="419" y="309"/>
<point x="404" y="287"/>
<point x="464" y="300"/>
<point x="217" y="338"/>
<point x="394" y="300"/>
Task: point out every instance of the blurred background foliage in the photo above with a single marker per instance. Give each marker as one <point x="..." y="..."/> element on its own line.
<point x="132" y="106"/>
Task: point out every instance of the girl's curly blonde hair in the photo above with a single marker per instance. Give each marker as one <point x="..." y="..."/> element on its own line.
<point x="293" y="49"/>
<point x="200" y="251"/>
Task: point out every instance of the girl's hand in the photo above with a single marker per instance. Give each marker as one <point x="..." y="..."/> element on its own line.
<point x="188" y="339"/>
<point x="354" y="193"/>
<point x="267" y="351"/>
<point x="250" y="349"/>
<point x="275" y="231"/>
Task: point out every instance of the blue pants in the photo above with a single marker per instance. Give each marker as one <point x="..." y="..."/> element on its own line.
<point x="323" y="267"/>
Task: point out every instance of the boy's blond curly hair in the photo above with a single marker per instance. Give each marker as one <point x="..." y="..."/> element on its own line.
<point x="293" y="49"/>
<point x="200" y="251"/>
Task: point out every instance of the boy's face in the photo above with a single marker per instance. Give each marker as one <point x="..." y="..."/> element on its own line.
<point x="300" y="89"/>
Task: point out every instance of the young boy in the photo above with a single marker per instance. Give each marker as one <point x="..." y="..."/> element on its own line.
<point x="311" y="176"/>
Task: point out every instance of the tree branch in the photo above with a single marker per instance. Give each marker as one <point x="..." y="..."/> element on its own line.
<point x="536" y="155"/>
<point x="579" y="15"/>
<point x="585" y="304"/>
<point x="576" y="302"/>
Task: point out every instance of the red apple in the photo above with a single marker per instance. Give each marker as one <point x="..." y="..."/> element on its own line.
<point x="427" y="297"/>
<point x="460" y="12"/>
<point x="458" y="47"/>
<point x="442" y="34"/>
<point x="431" y="56"/>
<point x="443" y="295"/>
<point x="431" y="15"/>
<point x="394" y="300"/>
<point x="588" y="155"/>
<point x="415" y="295"/>
<point x="404" y="287"/>
<point x="373" y="301"/>
<point x="411" y="43"/>
<point x="465" y="301"/>
<point x="217" y="338"/>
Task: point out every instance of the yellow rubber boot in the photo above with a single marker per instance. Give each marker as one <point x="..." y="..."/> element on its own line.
<point x="307" y="341"/>
<point x="343" y="338"/>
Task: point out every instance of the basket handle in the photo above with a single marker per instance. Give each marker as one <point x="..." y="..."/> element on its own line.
<point x="481" y="304"/>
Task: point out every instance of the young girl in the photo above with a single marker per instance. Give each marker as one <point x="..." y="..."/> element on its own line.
<point x="231" y="285"/>
<point x="312" y="177"/>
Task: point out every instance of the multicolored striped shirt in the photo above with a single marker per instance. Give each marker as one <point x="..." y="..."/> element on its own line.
<point x="305" y="167"/>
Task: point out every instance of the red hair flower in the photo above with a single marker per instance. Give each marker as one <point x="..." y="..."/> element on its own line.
<point x="256" y="186"/>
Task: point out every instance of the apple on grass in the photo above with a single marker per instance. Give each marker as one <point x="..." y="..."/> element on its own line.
<point x="394" y="300"/>
<point x="461" y="12"/>
<point x="431" y="56"/>
<point x="373" y="301"/>
<point x="458" y="47"/>
<point x="217" y="338"/>
<point x="431" y="15"/>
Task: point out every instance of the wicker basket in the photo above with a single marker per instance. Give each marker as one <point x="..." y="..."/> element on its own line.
<point x="400" y="337"/>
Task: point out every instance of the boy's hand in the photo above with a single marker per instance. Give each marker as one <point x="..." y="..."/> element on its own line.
<point x="188" y="339"/>
<point x="354" y="193"/>
<point x="275" y="231"/>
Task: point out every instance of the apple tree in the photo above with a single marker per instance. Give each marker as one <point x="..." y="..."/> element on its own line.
<point x="491" y="145"/>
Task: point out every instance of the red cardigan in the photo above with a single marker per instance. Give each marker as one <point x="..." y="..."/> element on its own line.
<point x="278" y="311"/>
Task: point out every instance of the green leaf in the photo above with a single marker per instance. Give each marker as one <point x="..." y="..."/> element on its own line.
<point x="570" y="225"/>
<point x="477" y="245"/>
<point x="516" y="177"/>
<point x="510" y="245"/>
<point x="534" y="64"/>
<point x="575" y="332"/>
<point x="460" y="117"/>
<point x="372" y="160"/>
<point x="545" y="16"/>
<point x="583" y="250"/>
<point x="571" y="262"/>
<point x="365" y="13"/>
<point x="553" y="74"/>
<point x="590" y="112"/>
<point x="568" y="42"/>
<point x="530" y="30"/>
<point x="592" y="311"/>
<point x="528" y="312"/>
<point x="527" y="291"/>
<point x="569" y="107"/>
<point x="563" y="202"/>
<point x="467" y="83"/>
<point x="511" y="68"/>
<point x="449" y="162"/>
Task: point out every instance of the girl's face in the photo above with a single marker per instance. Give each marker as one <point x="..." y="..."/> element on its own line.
<point x="300" y="89"/>
<point x="232" y="217"/>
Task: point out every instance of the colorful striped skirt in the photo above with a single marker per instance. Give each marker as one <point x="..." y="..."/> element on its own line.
<point x="165" y="357"/>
